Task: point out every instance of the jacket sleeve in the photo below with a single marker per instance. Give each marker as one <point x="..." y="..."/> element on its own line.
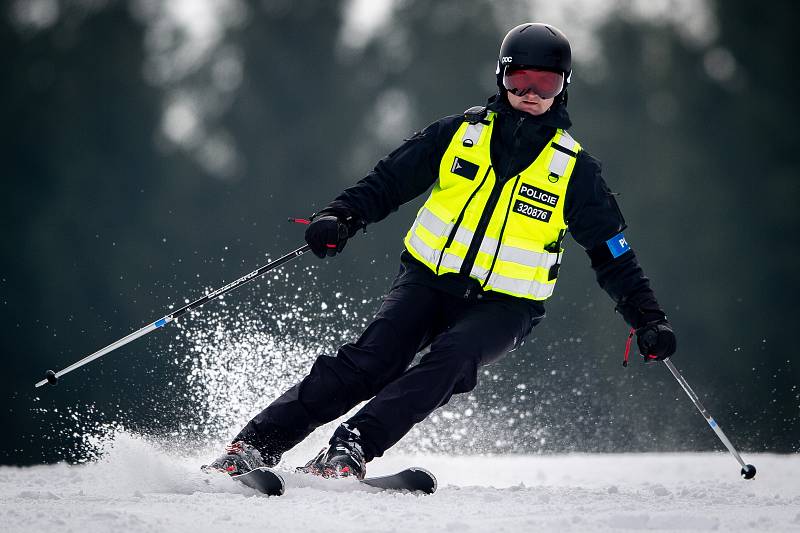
<point x="593" y="218"/>
<point x="399" y="177"/>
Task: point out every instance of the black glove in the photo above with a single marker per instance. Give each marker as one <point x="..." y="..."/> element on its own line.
<point x="656" y="341"/>
<point x="327" y="235"/>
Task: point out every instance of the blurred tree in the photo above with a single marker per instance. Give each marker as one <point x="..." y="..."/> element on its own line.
<point x="77" y="123"/>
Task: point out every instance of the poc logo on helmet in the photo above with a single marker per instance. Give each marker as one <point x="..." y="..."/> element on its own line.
<point x="506" y="59"/>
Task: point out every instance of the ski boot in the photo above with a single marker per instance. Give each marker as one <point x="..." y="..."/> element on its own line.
<point x="342" y="458"/>
<point x="239" y="458"/>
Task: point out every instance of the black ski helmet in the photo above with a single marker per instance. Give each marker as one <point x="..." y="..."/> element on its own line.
<point x="536" y="45"/>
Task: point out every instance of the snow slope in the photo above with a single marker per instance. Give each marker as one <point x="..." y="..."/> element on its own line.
<point x="137" y="486"/>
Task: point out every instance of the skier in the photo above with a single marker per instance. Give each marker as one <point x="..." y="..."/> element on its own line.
<point x="480" y="259"/>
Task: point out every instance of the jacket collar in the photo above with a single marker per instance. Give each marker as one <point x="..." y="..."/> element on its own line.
<point x="555" y="117"/>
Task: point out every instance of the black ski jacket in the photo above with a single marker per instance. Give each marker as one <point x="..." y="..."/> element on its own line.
<point x="590" y="209"/>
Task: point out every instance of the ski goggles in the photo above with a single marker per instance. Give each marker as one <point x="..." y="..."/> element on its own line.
<point x="521" y="81"/>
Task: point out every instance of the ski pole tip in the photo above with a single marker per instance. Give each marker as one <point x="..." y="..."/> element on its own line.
<point x="748" y="471"/>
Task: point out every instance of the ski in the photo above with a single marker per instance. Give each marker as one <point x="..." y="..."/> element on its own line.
<point x="263" y="480"/>
<point x="412" y="479"/>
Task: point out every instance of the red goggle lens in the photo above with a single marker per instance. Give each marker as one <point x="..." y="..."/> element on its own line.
<point x="545" y="83"/>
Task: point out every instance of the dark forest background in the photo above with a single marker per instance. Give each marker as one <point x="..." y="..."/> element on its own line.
<point x="144" y="162"/>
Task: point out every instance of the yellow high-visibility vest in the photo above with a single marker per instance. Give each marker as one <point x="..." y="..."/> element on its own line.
<point x="520" y="251"/>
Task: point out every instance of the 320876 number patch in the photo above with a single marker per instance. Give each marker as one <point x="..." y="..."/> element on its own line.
<point x="536" y="213"/>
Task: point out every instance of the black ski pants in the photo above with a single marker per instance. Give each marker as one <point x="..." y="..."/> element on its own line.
<point x="462" y="336"/>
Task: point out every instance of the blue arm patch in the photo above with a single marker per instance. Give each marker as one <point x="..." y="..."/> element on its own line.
<point x="617" y="245"/>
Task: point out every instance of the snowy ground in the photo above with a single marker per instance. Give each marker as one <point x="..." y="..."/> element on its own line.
<point x="136" y="487"/>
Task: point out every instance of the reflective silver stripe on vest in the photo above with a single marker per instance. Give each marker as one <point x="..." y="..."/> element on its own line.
<point x="472" y="134"/>
<point x="451" y="261"/>
<point x="513" y="254"/>
<point x="463" y="236"/>
<point x="478" y="273"/>
<point x="527" y="257"/>
<point x="432" y="223"/>
<point x="431" y="255"/>
<point x="558" y="165"/>
<point x="521" y="287"/>
<point x="567" y="141"/>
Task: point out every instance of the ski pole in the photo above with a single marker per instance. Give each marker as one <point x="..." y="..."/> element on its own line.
<point x="748" y="471"/>
<point x="52" y="377"/>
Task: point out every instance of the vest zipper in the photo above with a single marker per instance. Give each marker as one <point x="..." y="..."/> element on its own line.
<point x="502" y="230"/>
<point x="459" y="219"/>
<point x="488" y="209"/>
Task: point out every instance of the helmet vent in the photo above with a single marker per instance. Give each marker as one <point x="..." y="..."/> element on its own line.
<point x="525" y="28"/>
<point x="551" y="30"/>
